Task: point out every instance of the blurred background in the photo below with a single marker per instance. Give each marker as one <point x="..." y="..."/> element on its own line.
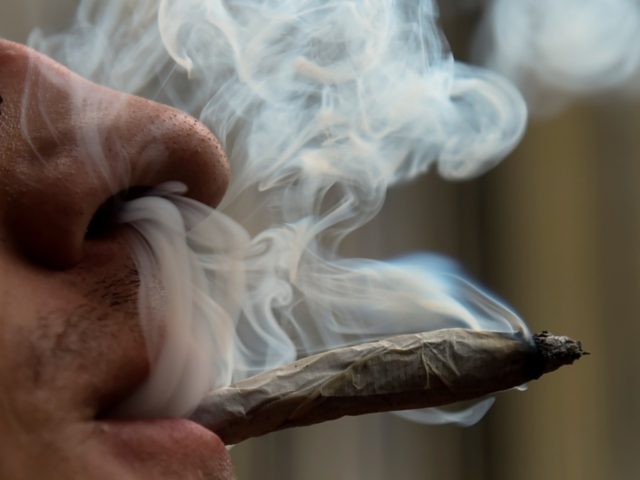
<point x="554" y="230"/>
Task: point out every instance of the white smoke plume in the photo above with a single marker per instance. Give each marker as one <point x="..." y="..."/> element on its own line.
<point x="321" y="107"/>
<point x="558" y="50"/>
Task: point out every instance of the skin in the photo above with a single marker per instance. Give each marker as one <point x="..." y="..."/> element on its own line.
<point x="70" y="342"/>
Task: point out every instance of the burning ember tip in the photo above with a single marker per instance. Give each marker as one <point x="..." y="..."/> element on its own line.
<point x="557" y="350"/>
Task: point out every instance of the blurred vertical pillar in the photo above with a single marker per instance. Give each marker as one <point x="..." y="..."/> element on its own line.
<point x="618" y="214"/>
<point x="541" y="209"/>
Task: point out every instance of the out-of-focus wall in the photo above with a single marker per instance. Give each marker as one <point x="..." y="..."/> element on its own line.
<point x="555" y="230"/>
<point x="563" y="236"/>
<point x="17" y="18"/>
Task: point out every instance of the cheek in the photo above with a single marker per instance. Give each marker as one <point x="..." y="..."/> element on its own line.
<point x="18" y="318"/>
<point x="69" y="341"/>
<point x="28" y="335"/>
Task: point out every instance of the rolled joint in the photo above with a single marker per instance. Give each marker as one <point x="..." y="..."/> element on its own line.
<point x="412" y="371"/>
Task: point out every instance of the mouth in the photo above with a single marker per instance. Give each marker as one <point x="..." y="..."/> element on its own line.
<point x="144" y="445"/>
<point x="188" y="445"/>
<point x="137" y="444"/>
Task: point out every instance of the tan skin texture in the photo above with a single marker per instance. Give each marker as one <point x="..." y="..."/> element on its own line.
<point x="70" y="343"/>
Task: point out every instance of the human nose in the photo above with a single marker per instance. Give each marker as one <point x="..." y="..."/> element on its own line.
<point x="68" y="145"/>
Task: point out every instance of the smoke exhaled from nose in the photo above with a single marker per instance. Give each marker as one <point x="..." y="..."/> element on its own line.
<point x="556" y="50"/>
<point x="190" y="261"/>
<point x="321" y="107"/>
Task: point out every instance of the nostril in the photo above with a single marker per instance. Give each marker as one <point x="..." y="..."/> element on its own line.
<point x="104" y="220"/>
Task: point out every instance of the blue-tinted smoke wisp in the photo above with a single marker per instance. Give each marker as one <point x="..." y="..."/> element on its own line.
<point x="321" y="107"/>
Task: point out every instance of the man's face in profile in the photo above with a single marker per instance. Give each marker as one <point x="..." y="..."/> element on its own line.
<point x="70" y="340"/>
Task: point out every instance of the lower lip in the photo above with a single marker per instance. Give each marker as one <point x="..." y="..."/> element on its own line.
<point x="177" y="442"/>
